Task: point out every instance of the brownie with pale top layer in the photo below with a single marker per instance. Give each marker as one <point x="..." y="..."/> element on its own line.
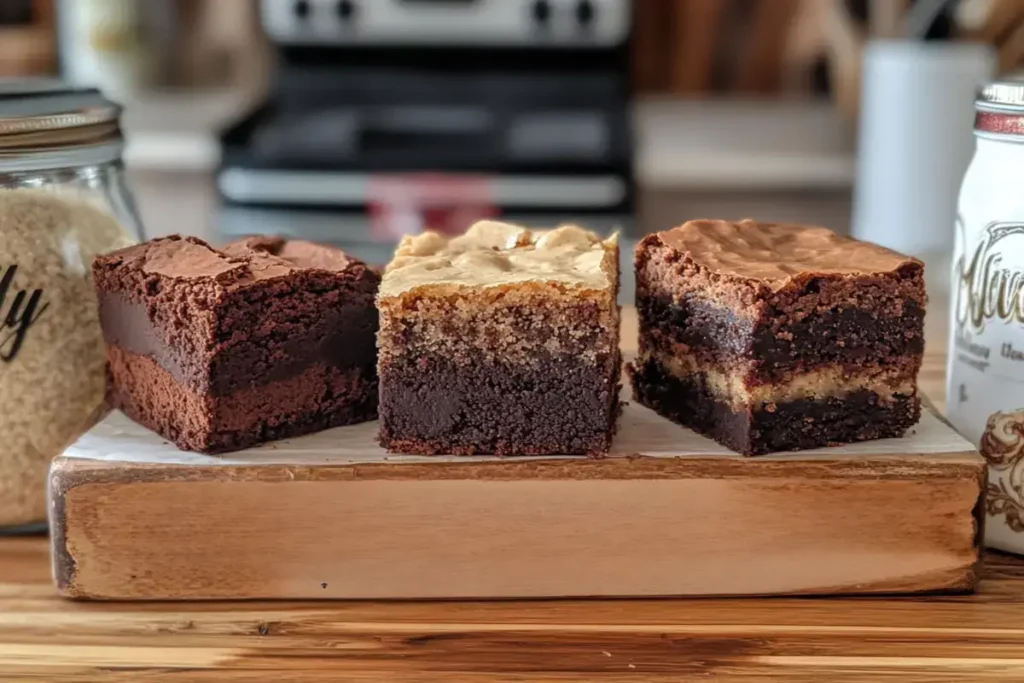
<point x="770" y="337"/>
<point x="219" y="349"/>
<point x="501" y="341"/>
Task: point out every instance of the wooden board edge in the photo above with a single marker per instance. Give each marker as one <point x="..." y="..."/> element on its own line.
<point x="69" y="474"/>
<point x="980" y="516"/>
<point x="891" y="466"/>
<point x="961" y="579"/>
<point x="951" y="583"/>
<point x="62" y="478"/>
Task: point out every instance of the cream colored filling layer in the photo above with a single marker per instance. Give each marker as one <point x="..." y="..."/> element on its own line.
<point x="833" y="381"/>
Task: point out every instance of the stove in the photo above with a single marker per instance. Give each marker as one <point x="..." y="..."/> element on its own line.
<point x="389" y="116"/>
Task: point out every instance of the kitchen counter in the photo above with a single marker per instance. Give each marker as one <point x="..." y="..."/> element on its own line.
<point x="946" y="638"/>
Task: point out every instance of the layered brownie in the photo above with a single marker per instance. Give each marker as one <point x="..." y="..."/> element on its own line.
<point x="219" y="349"/>
<point x="770" y="337"/>
<point x="500" y="341"/>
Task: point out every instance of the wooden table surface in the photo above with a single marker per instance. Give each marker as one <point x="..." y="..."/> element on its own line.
<point x="952" y="638"/>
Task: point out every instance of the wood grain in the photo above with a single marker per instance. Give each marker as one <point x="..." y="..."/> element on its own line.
<point x="1001" y="19"/>
<point x="28" y="51"/>
<point x="845" y="42"/>
<point x="332" y="515"/>
<point x="955" y="638"/>
<point x="1011" y="52"/>
<point x="697" y="25"/>
<point x="760" y="67"/>
<point x="578" y="529"/>
<point x="652" y="43"/>
<point x="933" y="639"/>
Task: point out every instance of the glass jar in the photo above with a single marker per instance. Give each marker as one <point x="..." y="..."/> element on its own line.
<point x="63" y="200"/>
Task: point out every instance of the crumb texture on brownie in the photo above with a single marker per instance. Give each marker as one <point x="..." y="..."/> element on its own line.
<point x="440" y="407"/>
<point x="801" y="423"/>
<point x="810" y="319"/>
<point x="260" y="339"/>
<point x="501" y="341"/>
<point x="317" y="398"/>
<point x="237" y="264"/>
<point x="263" y="306"/>
<point x="776" y="253"/>
<point x="493" y="254"/>
<point x="501" y="292"/>
<point x="766" y="321"/>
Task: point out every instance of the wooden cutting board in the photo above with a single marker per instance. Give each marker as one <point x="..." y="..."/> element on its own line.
<point x="669" y="513"/>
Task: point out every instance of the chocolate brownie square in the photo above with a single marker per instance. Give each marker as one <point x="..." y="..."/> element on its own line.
<point x="219" y="349"/>
<point x="501" y="341"/>
<point x="770" y="337"/>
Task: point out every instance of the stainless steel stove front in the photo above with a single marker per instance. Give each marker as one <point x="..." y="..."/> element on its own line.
<point x="499" y="23"/>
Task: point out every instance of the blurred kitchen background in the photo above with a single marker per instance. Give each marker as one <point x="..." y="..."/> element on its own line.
<point x="355" y="121"/>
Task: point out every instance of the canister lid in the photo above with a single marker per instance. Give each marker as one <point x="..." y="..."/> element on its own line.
<point x="46" y="121"/>
<point x="1002" y="96"/>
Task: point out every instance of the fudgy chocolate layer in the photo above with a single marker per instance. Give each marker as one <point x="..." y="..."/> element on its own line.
<point x="842" y="335"/>
<point x="795" y="425"/>
<point x="318" y="398"/>
<point x="265" y="334"/>
<point x="431" y="405"/>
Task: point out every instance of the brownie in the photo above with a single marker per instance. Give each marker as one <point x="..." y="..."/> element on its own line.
<point x="770" y="337"/>
<point x="219" y="349"/>
<point x="501" y="341"/>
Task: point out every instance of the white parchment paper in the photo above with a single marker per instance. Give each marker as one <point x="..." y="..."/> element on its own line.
<point x="640" y="432"/>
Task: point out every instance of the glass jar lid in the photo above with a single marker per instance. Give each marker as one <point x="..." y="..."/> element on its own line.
<point x="1002" y="96"/>
<point x="47" y="124"/>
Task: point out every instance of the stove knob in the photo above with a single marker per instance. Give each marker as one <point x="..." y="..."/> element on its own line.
<point x="542" y="11"/>
<point x="585" y="12"/>
<point x="346" y="10"/>
<point x="301" y="8"/>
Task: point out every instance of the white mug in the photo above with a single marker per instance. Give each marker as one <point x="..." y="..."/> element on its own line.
<point x="915" y="141"/>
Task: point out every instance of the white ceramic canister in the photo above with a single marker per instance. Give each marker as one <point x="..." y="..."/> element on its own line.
<point x="915" y="144"/>
<point x="985" y="393"/>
